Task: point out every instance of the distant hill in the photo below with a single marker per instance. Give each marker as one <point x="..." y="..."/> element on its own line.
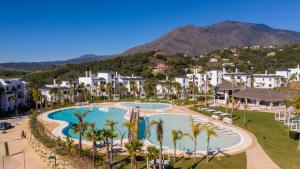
<point x="194" y="40"/>
<point x="30" y="66"/>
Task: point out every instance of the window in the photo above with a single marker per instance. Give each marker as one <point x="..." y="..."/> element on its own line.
<point x="238" y="77"/>
<point x="270" y="85"/>
<point x="270" y="79"/>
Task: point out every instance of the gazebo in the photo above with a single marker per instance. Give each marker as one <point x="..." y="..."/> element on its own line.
<point x="224" y="91"/>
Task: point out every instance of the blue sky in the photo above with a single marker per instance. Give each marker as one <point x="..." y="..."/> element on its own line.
<point x="57" y="29"/>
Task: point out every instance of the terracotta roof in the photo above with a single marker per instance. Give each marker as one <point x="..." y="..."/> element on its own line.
<point x="226" y="85"/>
<point x="260" y="94"/>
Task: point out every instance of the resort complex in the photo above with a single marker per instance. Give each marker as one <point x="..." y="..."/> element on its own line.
<point x="149" y="84"/>
<point x="111" y="115"/>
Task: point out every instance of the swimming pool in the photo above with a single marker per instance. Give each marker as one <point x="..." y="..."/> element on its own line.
<point x="155" y="106"/>
<point x="226" y="138"/>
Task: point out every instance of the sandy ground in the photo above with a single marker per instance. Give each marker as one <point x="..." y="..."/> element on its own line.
<point x="19" y="149"/>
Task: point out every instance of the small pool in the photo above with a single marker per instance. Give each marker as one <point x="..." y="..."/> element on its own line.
<point x="225" y="139"/>
<point x="155" y="106"/>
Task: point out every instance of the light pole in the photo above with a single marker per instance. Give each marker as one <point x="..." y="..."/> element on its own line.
<point x="53" y="157"/>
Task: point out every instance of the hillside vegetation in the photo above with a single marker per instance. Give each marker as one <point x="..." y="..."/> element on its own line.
<point x="142" y="64"/>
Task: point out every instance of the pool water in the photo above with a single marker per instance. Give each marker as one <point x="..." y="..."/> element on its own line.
<point x="224" y="139"/>
<point x="98" y="114"/>
<point x="155" y="106"/>
<point x="183" y="123"/>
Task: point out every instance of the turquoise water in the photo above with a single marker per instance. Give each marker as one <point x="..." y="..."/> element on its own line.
<point x="182" y="122"/>
<point x="146" y="105"/>
<point x="100" y="115"/>
<point x="171" y="121"/>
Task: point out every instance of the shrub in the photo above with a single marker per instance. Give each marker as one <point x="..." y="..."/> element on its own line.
<point x="294" y="135"/>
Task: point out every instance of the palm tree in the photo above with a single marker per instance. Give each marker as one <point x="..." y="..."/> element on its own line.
<point x="159" y="136"/>
<point x="36" y="95"/>
<point x="2" y="90"/>
<point x="92" y="134"/>
<point x="193" y="78"/>
<point x="133" y="87"/>
<point x="210" y="132"/>
<point x="153" y="154"/>
<point x="177" y="87"/>
<point x="196" y="130"/>
<point x="112" y="125"/>
<point x="168" y="85"/>
<point x="108" y="88"/>
<point x="15" y="96"/>
<point x="149" y="87"/>
<point x="107" y="134"/>
<point x="80" y="128"/>
<point x="132" y="129"/>
<point x="133" y="148"/>
<point x="176" y="135"/>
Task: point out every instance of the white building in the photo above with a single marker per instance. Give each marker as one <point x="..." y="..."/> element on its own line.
<point x="63" y="87"/>
<point x="14" y="94"/>
<point x="237" y="77"/>
<point x="292" y="74"/>
<point x="215" y="77"/>
<point x="139" y="81"/>
<point x="183" y="80"/>
<point x="267" y="81"/>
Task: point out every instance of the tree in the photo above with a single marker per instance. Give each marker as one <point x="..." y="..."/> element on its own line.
<point x="93" y="135"/>
<point x="80" y="128"/>
<point x="15" y="97"/>
<point x="210" y="132"/>
<point x="177" y="88"/>
<point x="196" y="130"/>
<point x="108" y="88"/>
<point x="133" y="148"/>
<point x="2" y="90"/>
<point x="132" y="129"/>
<point x="36" y="95"/>
<point x="149" y="87"/>
<point x="168" y="85"/>
<point x="193" y="78"/>
<point x="107" y="134"/>
<point x="176" y="135"/>
<point x="133" y="87"/>
<point x="158" y="124"/>
<point x="153" y="154"/>
<point x="112" y="125"/>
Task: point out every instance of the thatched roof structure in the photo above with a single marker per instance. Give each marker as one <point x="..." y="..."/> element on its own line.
<point x="226" y="85"/>
<point x="260" y="94"/>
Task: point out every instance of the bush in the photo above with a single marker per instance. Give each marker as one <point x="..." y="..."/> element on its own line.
<point x="294" y="135"/>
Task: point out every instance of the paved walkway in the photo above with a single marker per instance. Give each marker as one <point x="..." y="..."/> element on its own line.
<point x="258" y="159"/>
<point x="18" y="148"/>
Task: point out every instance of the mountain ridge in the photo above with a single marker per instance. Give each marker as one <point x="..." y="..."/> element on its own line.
<point x="194" y="40"/>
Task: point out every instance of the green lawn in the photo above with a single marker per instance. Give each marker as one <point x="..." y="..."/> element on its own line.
<point x="231" y="162"/>
<point x="272" y="136"/>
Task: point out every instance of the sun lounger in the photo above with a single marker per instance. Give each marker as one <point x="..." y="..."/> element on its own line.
<point x="215" y="117"/>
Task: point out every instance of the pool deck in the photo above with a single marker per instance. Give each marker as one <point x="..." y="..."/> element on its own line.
<point x="247" y="139"/>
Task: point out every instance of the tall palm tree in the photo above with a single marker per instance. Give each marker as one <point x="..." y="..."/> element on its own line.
<point x="108" y="88"/>
<point x="92" y="134"/>
<point x="193" y="78"/>
<point x="36" y="95"/>
<point x="79" y="128"/>
<point x="107" y="134"/>
<point x="168" y="85"/>
<point x="133" y="148"/>
<point x="158" y="124"/>
<point x="15" y="96"/>
<point x="2" y="90"/>
<point x="112" y="125"/>
<point x="153" y="154"/>
<point x="210" y="132"/>
<point x="177" y="87"/>
<point x="132" y="129"/>
<point x="176" y="135"/>
<point x="196" y="130"/>
<point x="133" y="87"/>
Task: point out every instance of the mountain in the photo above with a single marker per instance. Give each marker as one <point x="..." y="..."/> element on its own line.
<point x="30" y="66"/>
<point x="194" y="40"/>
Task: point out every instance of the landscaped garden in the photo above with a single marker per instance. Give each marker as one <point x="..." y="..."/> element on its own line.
<point x="271" y="135"/>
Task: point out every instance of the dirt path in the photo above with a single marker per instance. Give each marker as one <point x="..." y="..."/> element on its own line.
<point x="18" y="149"/>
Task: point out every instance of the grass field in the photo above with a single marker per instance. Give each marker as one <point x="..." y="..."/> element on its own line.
<point x="272" y="136"/>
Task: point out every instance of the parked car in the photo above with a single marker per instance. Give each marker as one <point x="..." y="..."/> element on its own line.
<point x="5" y="125"/>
